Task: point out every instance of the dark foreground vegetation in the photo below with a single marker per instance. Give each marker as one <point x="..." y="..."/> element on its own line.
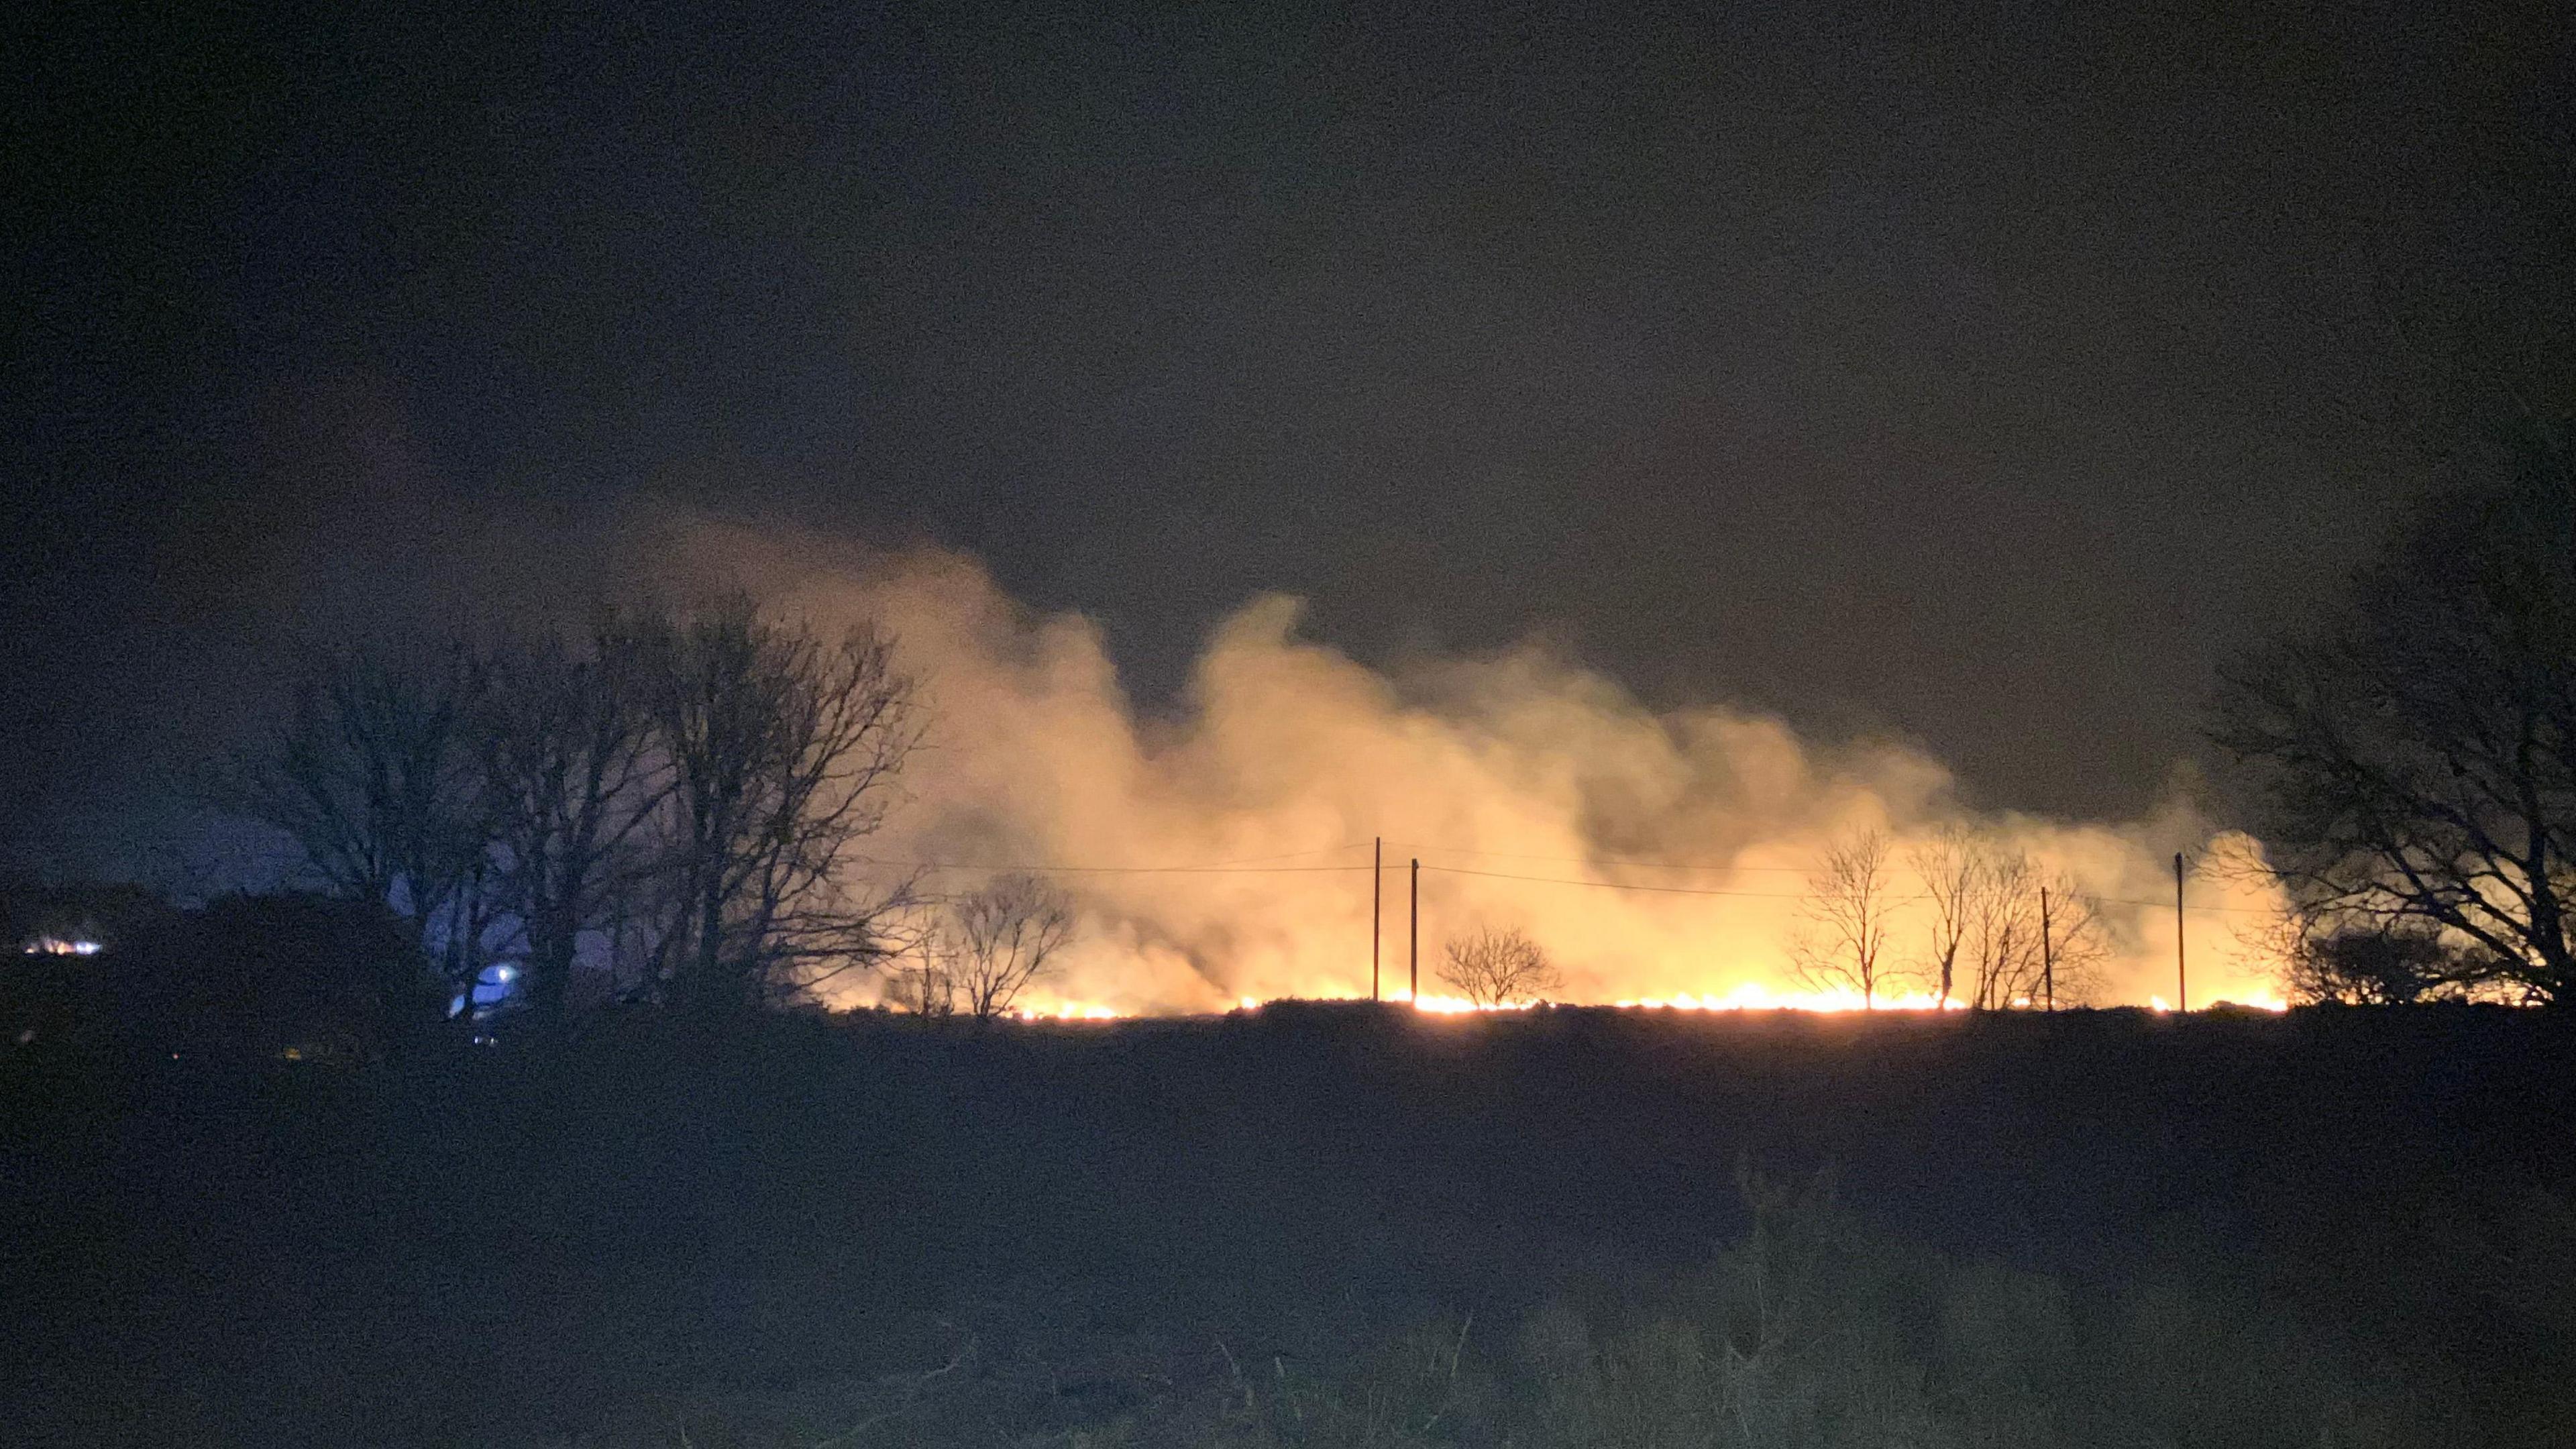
<point x="1314" y="1226"/>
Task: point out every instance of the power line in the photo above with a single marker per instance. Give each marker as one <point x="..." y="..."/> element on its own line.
<point x="1245" y="865"/>
<point x="1612" y="885"/>
<point x="1612" y="860"/>
<point x="1121" y="869"/>
<point x="1292" y="855"/>
<point x="2168" y="905"/>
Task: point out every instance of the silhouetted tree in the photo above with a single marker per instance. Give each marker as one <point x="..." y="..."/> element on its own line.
<point x="920" y="983"/>
<point x="373" y="775"/>
<point x="1493" y="966"/>
<point x="1948" y="863"/>
<point x="1851" y="903"/>
<point x="2376" y="968"/>
<point x="999" y="940"/>
<point x="2418" y="750"/>
<point x="2077" y="943"/>
<point x="2326" y="958"/>
<point x="572" y="780"/>
<point x="1990" y="944"/>
<point x="2002" y="938"/>
<point x="783" y="749"/>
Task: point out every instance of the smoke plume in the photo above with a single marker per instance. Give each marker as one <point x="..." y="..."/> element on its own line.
<point x="1219" y="850"/>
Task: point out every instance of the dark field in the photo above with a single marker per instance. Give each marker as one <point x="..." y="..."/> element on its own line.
<point x="1318" y="1225"/>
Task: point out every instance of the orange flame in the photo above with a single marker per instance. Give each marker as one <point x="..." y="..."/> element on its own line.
<point x="1750" y="996"/>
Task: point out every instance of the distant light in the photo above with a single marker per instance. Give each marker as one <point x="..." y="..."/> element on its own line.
<point x="60" y="946"/>
<point x="493" y="986"/>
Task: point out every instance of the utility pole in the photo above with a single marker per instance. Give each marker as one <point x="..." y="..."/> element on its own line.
<point x="2182" y="977"/>
<point x="2047" y="956"/>
<point x="1414" y="989"/>
<point x="1377" y="909"/>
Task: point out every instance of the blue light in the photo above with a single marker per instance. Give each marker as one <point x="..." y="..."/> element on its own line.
<point x="494" y="987"/>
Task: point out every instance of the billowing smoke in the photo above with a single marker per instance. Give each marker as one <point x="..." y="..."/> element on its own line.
<point x="1519" y="779"/>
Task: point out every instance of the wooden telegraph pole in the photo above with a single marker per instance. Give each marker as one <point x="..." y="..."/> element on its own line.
<point x="1414" y="986"/>
<point x="2047" y="956"/>
<point x="2182" y="977"/>
<point x="1377" y="909"/>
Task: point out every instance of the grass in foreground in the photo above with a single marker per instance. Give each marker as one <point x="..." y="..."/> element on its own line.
<point x="1811" y="1331"/>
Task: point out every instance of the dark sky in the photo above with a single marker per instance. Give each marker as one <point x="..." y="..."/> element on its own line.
<point x="1982" y="380"/>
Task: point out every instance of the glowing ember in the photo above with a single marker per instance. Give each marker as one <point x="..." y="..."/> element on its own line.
<point x="1454" y="1005"/>
<point x="1753" y="996"/>
<point x="2263" y="1001"/>
<point x="1749" y="996"/>
<point x="1071" y="1011"/>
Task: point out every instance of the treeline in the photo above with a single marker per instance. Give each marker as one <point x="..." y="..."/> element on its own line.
<point x="674" y="795"/>
<point x="1960" y="917"/>
<point x="675" y="800"/>
<point x="657" y="807"/>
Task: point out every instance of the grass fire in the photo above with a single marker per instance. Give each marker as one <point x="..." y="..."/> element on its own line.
<point x="1169" y="726"/>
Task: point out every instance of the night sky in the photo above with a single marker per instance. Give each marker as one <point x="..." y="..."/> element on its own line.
<point x="1981" y="380"/>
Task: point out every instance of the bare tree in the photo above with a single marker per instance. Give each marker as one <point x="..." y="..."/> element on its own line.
<point x="694" y="786"/>
<point x="2002" y="937"/>
<point x="2075" y="947"/>
<point x="997" y="942"/>
<point x="783" y="749"/>
<point x="572" y="779"/>
<point x="1988" y="934"/>
<point x="1498" y="967"/>
<point x="1850" y="906"/>
<point x="1948" y="862"/>
<point x="921" y="984"/>
<point x="371" y="775"/>
<point x="2419" y="751"/>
